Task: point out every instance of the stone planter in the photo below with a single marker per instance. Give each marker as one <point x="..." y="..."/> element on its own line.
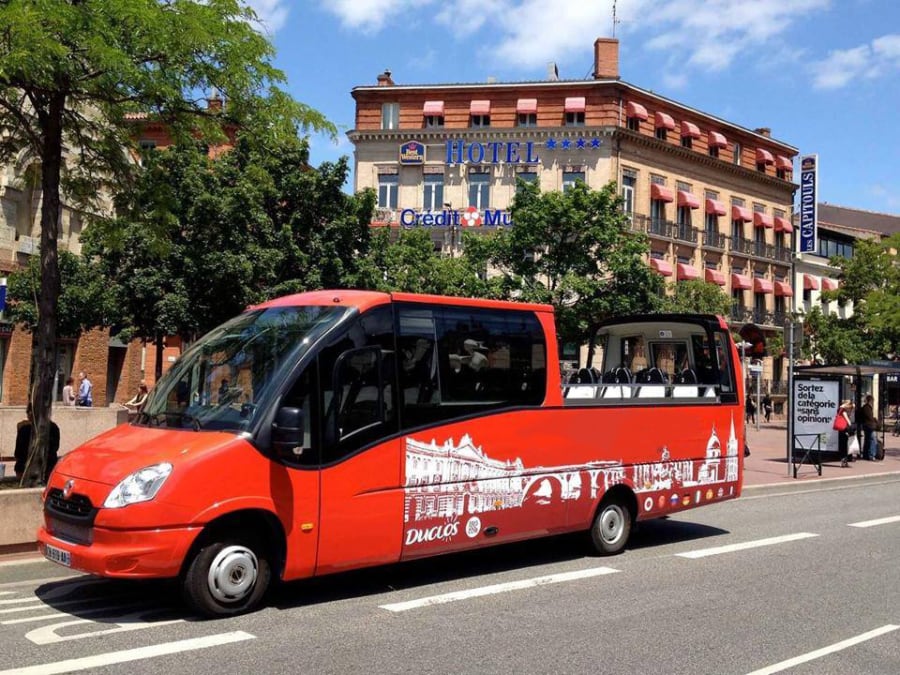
<point x="20" y="516"/>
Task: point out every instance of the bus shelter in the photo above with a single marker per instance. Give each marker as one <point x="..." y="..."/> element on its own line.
<point x="817" y="391"/>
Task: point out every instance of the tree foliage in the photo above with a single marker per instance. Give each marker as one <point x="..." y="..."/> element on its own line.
<point x="697" y="297"/>
<point x="71" y="73"/>
<point x="574" y="250"/>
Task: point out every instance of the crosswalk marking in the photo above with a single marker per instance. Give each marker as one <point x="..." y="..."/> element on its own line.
<point x="824" y="651"/>
<point x="730" y="548"/>
<point x="877" y="521"/>
<point x="497" y="588"/>
<point x="126" y="655"/>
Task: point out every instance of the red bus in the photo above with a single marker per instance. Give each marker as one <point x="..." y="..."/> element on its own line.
<point x="334" y="430"/>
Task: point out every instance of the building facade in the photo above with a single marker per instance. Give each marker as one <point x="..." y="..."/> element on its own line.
<point x="714" y="197"/>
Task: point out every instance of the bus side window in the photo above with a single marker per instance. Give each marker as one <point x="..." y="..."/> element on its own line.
<point x="726" y="368"/>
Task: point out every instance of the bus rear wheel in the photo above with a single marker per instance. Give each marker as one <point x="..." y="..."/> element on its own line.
<point x="226" y="578"/>
<point x="611" y="527"/>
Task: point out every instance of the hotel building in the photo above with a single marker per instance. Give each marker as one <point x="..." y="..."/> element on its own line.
<point x="713" y="197"/>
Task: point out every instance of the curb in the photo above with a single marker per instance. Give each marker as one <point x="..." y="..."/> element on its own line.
<point x="812" y="483"/>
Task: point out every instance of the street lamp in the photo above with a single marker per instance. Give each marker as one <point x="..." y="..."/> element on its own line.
<point x="454" y="229"/>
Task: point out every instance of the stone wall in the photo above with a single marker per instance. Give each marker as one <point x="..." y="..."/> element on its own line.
<point x="76" y="425"/>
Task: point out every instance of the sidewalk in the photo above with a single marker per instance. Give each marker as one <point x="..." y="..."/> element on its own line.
<point x="767" y="463"/>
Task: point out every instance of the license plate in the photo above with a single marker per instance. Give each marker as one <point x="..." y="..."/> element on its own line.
<point x="57" y="555"/>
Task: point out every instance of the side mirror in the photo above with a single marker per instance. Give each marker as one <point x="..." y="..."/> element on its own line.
<point x="287" y="432"/>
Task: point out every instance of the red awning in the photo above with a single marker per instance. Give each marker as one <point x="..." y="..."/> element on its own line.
<point x="688" y="199"/>
<point x="763" y="220"/>
<point x="687" y="272"/>
<point x="741" y="213"/>
<point x="526" y="106"/>
<point x="433" y="109"/>
<point x="690" y="129"/>
<point x="810" y="283"/>
<point x="636" y="110"/>
<point x="662" y="120"/>
<point x="714" y="277"/>
<point x="762" y="286"/>
<point x="782" y="162"/>
<point x="717" y="140"/>
<point x="713" y="206"/>
<point x="784" y="289"/>
<point x="661" y="266"/>
<point x="740" y="282"/>
<point x="661" y="193"/>
<point x="829" y="284"/>
<point x="480" y="108"/>
<point x="782" y="224"/>
<point x="764" y="157"/>
<point x="575" y="104"/>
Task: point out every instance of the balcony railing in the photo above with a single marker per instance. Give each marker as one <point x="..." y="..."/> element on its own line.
<point x="741" y="245"/>
<point x="685" y="233"/>
<point x="763" y="317"/>
<point x="741" y="313"/>
<point x="714" y="240"/>
<point x="763" y="250"/>
<point x="783" y="254"/>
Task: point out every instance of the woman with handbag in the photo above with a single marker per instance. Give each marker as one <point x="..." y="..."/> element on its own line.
<point x="846" y="438"/>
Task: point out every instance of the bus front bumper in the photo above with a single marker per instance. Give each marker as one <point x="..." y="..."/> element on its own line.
<point x="130" y="554"/>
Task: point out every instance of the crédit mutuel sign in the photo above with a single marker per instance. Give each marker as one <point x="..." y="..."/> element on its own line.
<point x="491" y="152"/>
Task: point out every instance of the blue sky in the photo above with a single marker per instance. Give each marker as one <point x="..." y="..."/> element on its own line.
<point x="824" y="75"/>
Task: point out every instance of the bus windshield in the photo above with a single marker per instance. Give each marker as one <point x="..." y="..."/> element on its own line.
<point x="221" y="381"/>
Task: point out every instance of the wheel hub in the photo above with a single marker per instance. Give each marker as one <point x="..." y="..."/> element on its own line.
<point x="233" y="573"/>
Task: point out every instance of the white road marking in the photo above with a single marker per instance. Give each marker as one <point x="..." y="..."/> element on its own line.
<point x="24" y="561"/>
<point x="46" y="635"/>
<point x="37" y="582"/>
<point x="27" y="608"/>
<point x="497" y="588"/>
<point x="877" y="521"/>
<point x="81" y="613"/>
<point x="730" y="548"/>
<point x="824" y="651"/>
<point x="126" y="655"/>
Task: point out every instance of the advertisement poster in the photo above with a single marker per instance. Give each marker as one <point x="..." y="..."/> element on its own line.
<point x="815" y="406"/>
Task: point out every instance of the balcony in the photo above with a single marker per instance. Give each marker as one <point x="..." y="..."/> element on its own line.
<point x="782" y="254"/>
<point x="653" y="226"/>
<point x="763" y="317"/>
<point x="741" y="313"/>
<point x="741" y="246"/>
<point x="713" y="239"/>
<point x="683" y="232"/>
<point x="760" y="249"/>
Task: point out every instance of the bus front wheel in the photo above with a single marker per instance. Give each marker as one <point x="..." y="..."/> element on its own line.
<point x="612" y="526"/>
<point x="227" y="577"/>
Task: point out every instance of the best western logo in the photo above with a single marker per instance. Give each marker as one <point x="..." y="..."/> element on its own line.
<point x="412" y="152"/>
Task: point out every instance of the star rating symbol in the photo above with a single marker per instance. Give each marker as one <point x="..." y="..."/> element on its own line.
<point x="595" y="143"/>
<point x="550" y="144"/>
<point x="566" y="143"/>
<point x="580" y="143"/>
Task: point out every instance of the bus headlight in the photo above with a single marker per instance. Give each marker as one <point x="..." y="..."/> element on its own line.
<point x="140" y="486"/>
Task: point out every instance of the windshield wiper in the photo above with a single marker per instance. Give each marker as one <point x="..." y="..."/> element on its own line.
<point x="155" y="420"/>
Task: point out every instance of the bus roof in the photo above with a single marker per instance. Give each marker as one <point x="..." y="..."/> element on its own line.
<point x="364" y="300"/>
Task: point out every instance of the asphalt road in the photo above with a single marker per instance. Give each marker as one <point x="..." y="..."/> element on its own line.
<point x="799" y="581"/>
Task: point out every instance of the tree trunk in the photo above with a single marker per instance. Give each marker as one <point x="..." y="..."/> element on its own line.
<point x="43" y="350"/>
<point x="158" y="364"/>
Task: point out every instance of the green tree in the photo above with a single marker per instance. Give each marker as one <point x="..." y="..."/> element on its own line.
<point x="574" y="250"/>
<point x="697" y="297"/>
<point x="72" y="70"/>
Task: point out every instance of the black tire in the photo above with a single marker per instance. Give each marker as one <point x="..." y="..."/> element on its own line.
<point x="612" y="526"/>
<point x="228" y="577"/>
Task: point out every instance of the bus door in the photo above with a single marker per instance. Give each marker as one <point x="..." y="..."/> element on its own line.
<point x="361" y="500"/>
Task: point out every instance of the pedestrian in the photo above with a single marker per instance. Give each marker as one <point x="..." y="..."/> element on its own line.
<point x="23" y="443"/>
<point x="767" y="406"/>
<point x="751" y="411"/>
<point x="869" y="424"/>
<point x="848" y="446"/>
<point x="137" y="401"/>
<point x="68" y="394"/>
<point x="85" y="391"/>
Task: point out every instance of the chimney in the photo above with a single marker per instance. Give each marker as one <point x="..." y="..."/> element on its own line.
<point x="552" y="72"/>
<point x="764" y="131"/>
<point x="384" y="79"/>
<point x="214" y="103"/>
<point x="606" y="59"/>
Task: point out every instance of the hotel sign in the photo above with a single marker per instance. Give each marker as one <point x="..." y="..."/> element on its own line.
<point x="412" y="153"/>
<point x="809" y="177"/>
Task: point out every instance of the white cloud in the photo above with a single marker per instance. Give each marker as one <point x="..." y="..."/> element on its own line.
<point x="704" y="34"/>
<point x="272" y="14"/>
<point x="370" y="16"/>
<point x="868" y="61"/>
